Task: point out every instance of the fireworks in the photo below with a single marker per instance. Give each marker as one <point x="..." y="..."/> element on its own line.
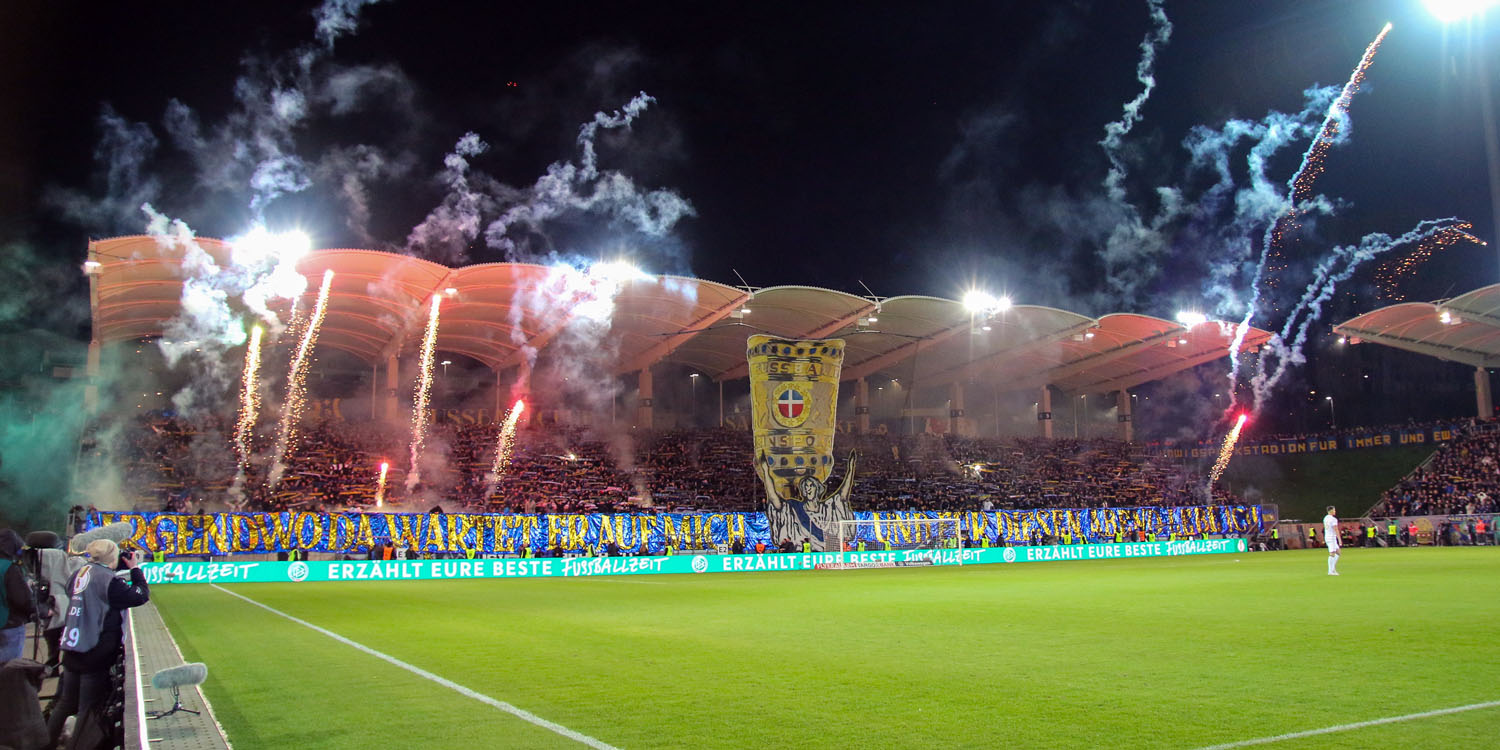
<point x="1312" y="163"/>
<point x="419" y="415"/>
<point x="1227" y="452"/>
<point x="385" y="466"/>
<point x="296" y="382"/>
<point x="505" y="444"/>
<point x="249" y="398"/>
<point x="1300" y="186"/>
<point x="1391" y="273"/>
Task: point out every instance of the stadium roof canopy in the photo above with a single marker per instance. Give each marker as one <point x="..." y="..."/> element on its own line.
<point x="378" y="306"/>
<point x="1463" y="329"/>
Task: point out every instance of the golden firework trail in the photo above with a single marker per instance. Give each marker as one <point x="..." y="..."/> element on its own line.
<point x="1390" y="274"/>
<point x="1312" y="164"/>
<point x="249" y="399"/>
<point x="385" y="466"/>
<point x="505" y="445"/>
<point x="1227" y="452"/>
<point x="296" y="382"/>
<point x="419" y="415"/>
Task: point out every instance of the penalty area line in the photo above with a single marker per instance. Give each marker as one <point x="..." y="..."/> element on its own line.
<point x="516" y="711"/>
<point x="1355" y="725"/>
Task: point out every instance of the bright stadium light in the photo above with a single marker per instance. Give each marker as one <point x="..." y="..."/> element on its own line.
<point x="261" y="244"/>
<point x="979" y="302"/>
<point x="1449" y="11"/>
<point x="618" y="271"/>
<point x="1191" y="318"/>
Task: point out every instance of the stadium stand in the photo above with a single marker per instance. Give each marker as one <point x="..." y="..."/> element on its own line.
<point x="177" y="465"/>
<point x="1462" y="477"/>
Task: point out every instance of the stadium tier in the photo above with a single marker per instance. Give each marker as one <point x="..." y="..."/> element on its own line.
<point x="176" y="465"/>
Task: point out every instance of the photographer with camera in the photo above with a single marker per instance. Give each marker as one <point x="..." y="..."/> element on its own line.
<point x="94" y="632"/>
<point x="16" y="608"/>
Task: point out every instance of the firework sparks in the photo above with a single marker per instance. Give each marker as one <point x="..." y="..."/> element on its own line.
<point x="1390" y="274"/>
<point x="1299" y="187"/>
<point x="249" y="398"/>
<point x="296" y="382"/>
<point x="1227" y="452"/>
<point x="385" y="466"/>
<point x="419" y="415"/>
<point x="505" y="445"/>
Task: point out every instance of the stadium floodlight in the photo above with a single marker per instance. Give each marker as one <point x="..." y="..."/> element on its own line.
<point x="981" y="302"/>
<point x="450" y="291"/>
<point x="1449" y="11"/>
<point x="92" y="267"/>
<point x="260" y="244"/>
<point x="618" y="271"/>
<point x="1191" y="318"/>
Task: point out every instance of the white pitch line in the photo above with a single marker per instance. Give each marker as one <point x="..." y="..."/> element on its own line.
<point x="620" y="579"/>
<point x="1355" y="725"/>
<point x="520" y="713"/>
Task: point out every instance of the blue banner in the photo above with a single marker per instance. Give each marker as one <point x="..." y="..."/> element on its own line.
<point x="1361" y="440"/>
<point x="220" y="534"/>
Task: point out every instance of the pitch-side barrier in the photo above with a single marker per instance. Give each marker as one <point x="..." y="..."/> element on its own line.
<point x="263" y="571"/>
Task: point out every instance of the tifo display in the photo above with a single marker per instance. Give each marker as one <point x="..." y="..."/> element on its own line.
<point x="483" y="533"/>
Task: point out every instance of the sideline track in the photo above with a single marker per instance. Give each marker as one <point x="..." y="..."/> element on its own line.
<point x="1355" y="725"/>
<point x="519" y="713"/>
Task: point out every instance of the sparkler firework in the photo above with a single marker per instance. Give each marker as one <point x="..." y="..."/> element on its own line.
<point x="1227" y="452"/>
<point x="249" y="399"/>
<point x="296" y="382"/>
<point x="385" y="466"/>
<point x="505" y="444"/>
<point x="419" y="416"/>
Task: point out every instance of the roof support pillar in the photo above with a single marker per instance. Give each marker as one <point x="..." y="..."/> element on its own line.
<point x="1127" y="417"/>
<point x="91" y="371"/>
<point x="956" y="421"/>
<point x="862" y="406"/>
<point x="643" y="412"/>
<point x="1482" y="400"/>
<point x="1044" y="412"/>
<point x="392" y="385"/>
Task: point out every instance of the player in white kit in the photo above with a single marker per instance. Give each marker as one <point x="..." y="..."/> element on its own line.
<point x="1331" y="538"/>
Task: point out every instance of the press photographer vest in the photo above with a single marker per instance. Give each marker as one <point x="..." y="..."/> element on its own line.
<point x="87" y="608"/>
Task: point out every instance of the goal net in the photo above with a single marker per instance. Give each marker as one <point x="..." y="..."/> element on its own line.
<point x="920" y="541"/>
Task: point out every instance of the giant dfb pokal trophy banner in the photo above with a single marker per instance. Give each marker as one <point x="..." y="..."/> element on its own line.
<point x="794" y="394"/>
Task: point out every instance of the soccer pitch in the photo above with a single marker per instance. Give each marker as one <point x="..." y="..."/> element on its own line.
<point x="1155" y="653"/>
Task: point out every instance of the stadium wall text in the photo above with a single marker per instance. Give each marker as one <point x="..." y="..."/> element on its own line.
<point x="554" y="567"/>
<point x="221" y="534"/>
<point x="1319" y="444"/>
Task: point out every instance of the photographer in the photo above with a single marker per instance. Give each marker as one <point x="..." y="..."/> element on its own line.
<point x="16" y="607"/>
<point x="93" y="633"/>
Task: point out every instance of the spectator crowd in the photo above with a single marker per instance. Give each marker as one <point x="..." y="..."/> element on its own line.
<point x="178" y="465"/>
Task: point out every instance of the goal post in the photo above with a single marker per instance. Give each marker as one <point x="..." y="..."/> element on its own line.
<point x="911" y="536"/>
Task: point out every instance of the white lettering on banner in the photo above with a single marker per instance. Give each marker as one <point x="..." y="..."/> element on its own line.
<point x="593" y="566"/>
<point x="204" y="573"/>
<point x="520" y="568"/>
<point x="1197" y="547"/>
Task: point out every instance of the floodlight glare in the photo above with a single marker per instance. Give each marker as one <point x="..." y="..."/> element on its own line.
<point x="1449" y="11"/>
<point x="1191" y="318"/>
<point x="618" y="271"/>
<point x="978" y="302"/>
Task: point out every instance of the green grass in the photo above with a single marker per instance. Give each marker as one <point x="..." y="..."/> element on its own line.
<point x="1181" y="652"/>
<point x="1303" y="484"/>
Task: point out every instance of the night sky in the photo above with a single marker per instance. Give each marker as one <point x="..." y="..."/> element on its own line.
<point x="919" y="150"/>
